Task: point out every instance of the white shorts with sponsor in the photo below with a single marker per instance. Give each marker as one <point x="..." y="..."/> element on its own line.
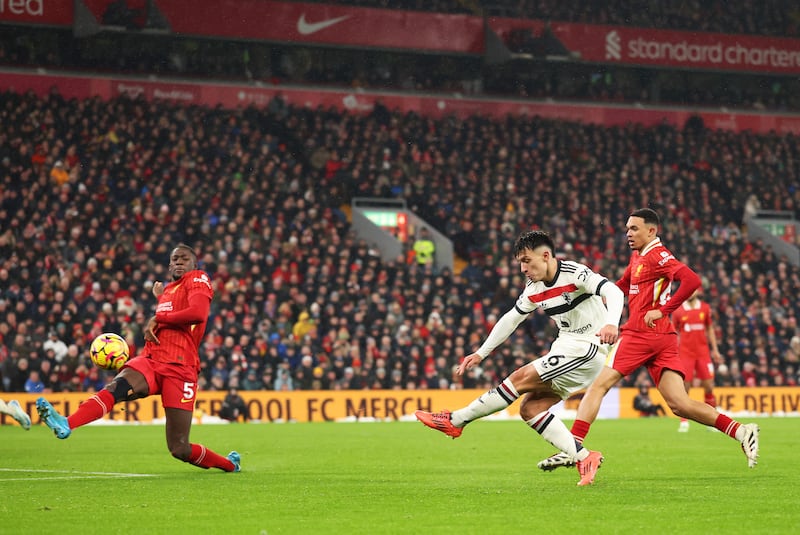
<point x="571" y="365"/>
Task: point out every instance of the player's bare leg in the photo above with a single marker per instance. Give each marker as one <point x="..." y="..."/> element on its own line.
<point x="672" y="388"/>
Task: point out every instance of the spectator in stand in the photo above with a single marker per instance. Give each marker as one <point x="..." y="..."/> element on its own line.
<point x="34" y="384"/>
<point x="58" y="174"/>
<point x="424" y="248"/>
<point x="251" y="381"/>
<point x="645" y="405"/>
<point x="58" y="347"/>
<point x="234" y="407"/>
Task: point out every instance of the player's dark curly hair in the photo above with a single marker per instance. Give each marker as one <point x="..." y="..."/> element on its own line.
<point x="533" y="239"/>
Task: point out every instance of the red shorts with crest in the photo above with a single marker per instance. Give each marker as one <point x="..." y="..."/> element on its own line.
<point x="177" y="384"/>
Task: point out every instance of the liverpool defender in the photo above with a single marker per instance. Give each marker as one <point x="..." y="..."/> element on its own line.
<point x="649" y="339"/>
<point x="169" y="365"/>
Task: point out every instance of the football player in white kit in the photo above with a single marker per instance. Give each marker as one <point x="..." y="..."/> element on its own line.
<point x="573" y="296"/>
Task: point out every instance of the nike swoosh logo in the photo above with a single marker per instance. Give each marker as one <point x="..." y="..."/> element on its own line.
<point x="183" y="400"/>
<point x="307" y="28"/>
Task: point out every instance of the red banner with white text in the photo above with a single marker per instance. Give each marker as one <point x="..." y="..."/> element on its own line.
<point x="265" y="20"/>
<point x="338" y="25"/>
<point x="665" y="48"/>
<point x="237" y="96"/>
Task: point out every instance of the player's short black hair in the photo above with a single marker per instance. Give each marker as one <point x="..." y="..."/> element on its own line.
<point x="188" y="248"/>
<point x="533" y="239"/>
<point x="649" y="215"/>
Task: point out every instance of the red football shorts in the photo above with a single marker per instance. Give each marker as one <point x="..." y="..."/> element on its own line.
<point x="177" y="384"/>
<point x="656" y="351"/>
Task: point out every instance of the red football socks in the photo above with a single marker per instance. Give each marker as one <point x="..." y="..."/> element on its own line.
<point x="205" y="458"/>
<point x="92" y="409"/>
<point x="727" y="425"/>
<point x="580" y="429"/>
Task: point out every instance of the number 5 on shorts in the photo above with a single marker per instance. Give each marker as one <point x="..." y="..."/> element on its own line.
<point x="188" y="393"/>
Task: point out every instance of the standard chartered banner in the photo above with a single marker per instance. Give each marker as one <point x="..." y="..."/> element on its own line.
<point x="324" y="405"/>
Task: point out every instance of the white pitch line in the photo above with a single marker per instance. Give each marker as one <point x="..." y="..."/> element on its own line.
<point x="71" y="474"/>
<point x="4" y="479"/>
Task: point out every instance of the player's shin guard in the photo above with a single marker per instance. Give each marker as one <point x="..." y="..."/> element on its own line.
<point x="205" y="458"/>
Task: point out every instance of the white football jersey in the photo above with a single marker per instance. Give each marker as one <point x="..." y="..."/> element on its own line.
<point x="572" y="300"/>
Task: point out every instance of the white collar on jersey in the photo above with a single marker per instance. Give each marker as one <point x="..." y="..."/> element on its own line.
<point x="650" y="246"/>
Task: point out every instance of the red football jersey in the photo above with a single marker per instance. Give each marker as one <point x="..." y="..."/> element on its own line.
<point x="180" y="343"/>
<point x="647" y="282"/>
<point x="692" y="322"/>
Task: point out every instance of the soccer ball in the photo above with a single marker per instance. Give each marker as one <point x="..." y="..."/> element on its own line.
<point x="109" y="351"/>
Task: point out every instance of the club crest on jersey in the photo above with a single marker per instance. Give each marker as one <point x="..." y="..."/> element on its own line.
<point x="567" y="298"/>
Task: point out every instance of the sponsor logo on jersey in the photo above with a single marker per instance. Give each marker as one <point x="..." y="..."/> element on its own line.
<point x="204" y="279"/>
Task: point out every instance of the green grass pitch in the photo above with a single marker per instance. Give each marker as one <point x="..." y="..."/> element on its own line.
<point x="397" y="477"/>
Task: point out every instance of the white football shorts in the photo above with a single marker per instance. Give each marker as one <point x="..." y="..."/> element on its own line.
<point x="571" y="365"/>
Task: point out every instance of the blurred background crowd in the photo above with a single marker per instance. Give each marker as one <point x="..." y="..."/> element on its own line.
<point x="94" y="194"/>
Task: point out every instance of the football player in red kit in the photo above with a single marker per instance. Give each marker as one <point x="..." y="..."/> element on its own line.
<point x="649" y="339"/>
<point x="168" y="365"/>
<point x="697" y="345"/>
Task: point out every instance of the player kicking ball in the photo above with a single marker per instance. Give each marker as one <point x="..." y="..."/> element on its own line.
<point x="572" y="295"/>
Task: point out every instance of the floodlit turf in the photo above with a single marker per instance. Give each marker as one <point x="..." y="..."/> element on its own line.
<point x="397" y="478"/>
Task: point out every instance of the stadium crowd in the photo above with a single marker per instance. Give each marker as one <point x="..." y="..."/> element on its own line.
<point x="94" y="194"/>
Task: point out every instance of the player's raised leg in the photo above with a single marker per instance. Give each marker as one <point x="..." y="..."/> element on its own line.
<point x="452" y="424"/>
